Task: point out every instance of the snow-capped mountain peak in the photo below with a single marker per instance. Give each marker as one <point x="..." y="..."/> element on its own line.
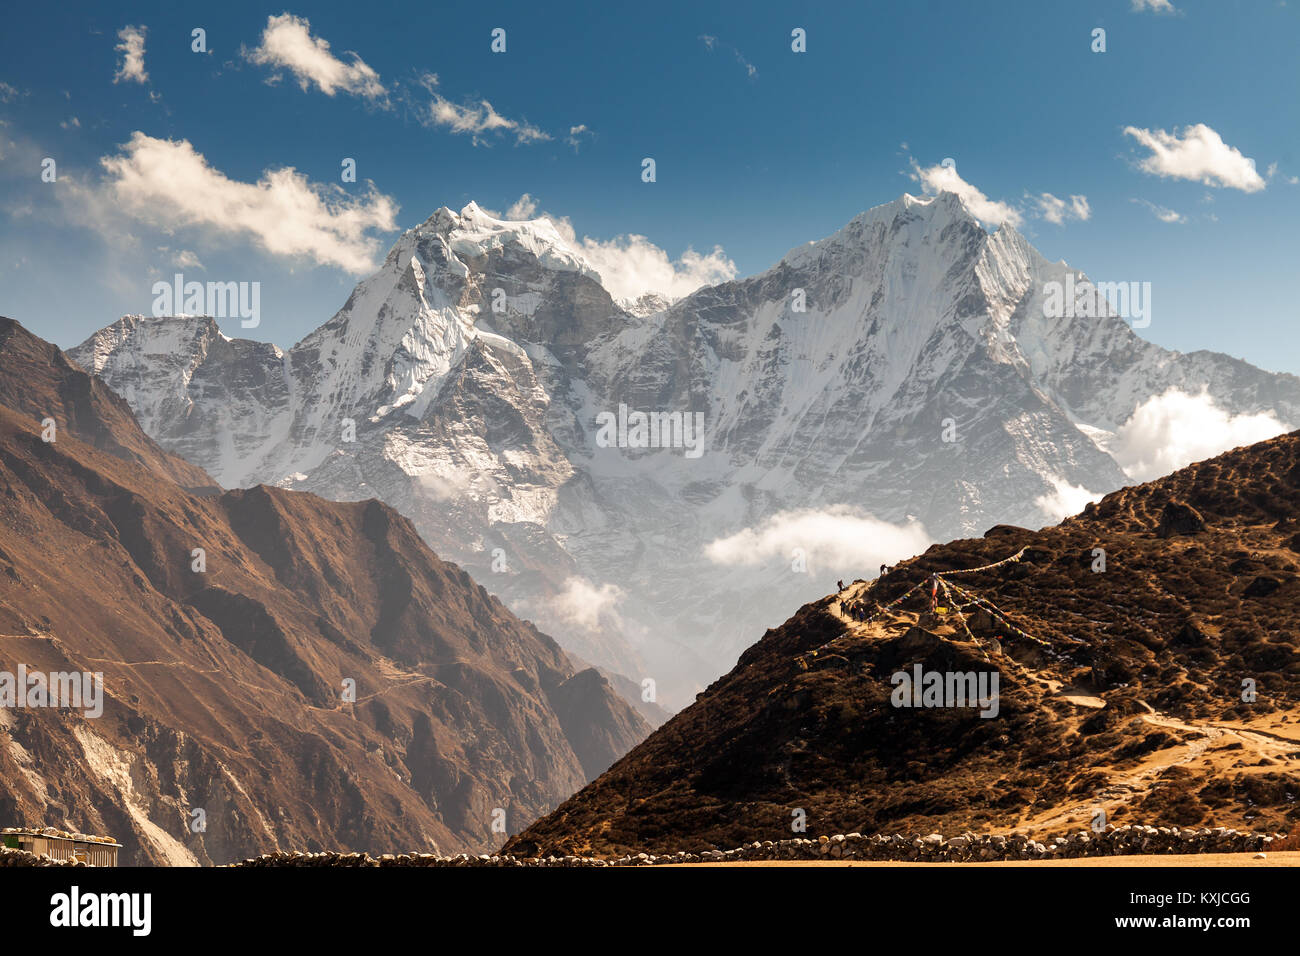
<point x="472" y="235"/>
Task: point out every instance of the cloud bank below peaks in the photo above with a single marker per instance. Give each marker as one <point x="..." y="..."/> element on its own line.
<point x="838" y="539"/>
<point x="1174" y="429"/>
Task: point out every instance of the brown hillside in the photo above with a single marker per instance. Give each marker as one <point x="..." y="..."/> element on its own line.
<point x="224" y="688"/>
<point x="1136" y="707"/>
<point x="38" y="381"/>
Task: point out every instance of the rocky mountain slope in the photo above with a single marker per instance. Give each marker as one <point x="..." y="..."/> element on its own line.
<point x="901" y="368"/>
<point x="319" y="679"/>
<point x="37" y="380"/>
<point x="1165" y="695"/>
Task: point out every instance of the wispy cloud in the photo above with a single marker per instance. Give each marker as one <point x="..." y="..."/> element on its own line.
<point x="712" y="43"/>
<point x="481" y="121"/>
<point x="1163" y="213"/>
<point x="1154" y="6"/>
<point x="287" y="43"/>
<point x="180" y="258"/>
<point x="1199" y="154"/>
<point x="576" y="133"/>
<point x="1057" y="211"/>
<point x="1272" y="173"/>
<point x="130" y="68"/>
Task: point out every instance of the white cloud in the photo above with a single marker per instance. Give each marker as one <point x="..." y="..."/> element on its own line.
<point x="131" y="69"/>
<point x="181" y="258"/>
<point x="586" y="605"/>
<point x="991" y="212"/>
<point x="1162" y="213"/>
<point x="937" y="179"/>
<point x="480" y="120"/>
<point x="1057" y="211"/>
<point x="1064" y="500"/>
<point x="631" y="266"/>
<point x="446" y="487"/>
<point x="576" y="133"/>
<point x="1155" y="6"/>
<point x="9" y="93"/>
<point x="169" y="184"/>
<point x="1197" y="153"/>
<point x="70" y="123"/>
<point x="712" y="43"/>
<point x="287" y="43"/>
<point x="1170" y="431"/>
<point x="523" y="208"/>
<point x="840" y="537"/>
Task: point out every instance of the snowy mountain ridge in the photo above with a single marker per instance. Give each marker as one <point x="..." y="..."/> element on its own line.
<point x="902" y="368"/>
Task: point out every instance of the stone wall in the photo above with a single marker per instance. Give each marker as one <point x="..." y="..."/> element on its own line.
<point x="966" y="848"/>
<point x="11" y="857"/>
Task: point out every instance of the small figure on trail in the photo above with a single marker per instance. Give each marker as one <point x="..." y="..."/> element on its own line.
<point x="840" y="585"/>
<point x="883" y="569"/>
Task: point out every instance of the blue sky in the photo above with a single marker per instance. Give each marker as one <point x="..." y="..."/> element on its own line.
<point x="757" y="148"/>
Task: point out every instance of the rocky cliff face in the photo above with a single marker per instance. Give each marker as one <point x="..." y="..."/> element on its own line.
<point x="902" y="368"/>
<point x="286" y="671"/>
